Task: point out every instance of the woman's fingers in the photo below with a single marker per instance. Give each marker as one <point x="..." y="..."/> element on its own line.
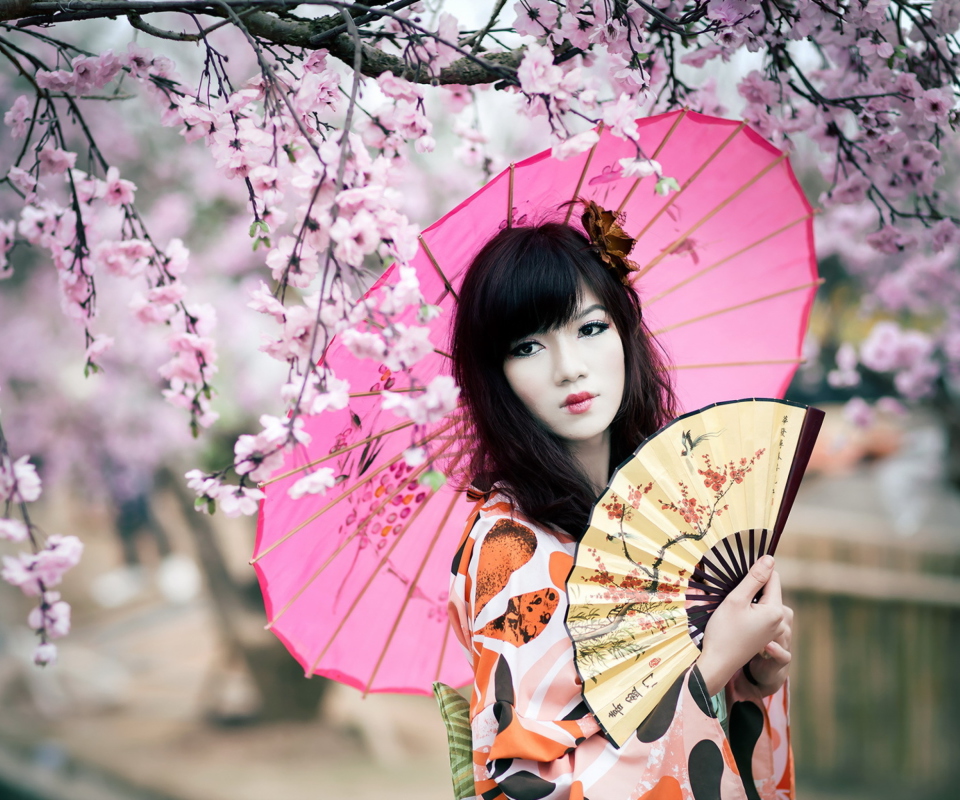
<point x="772" y="594"/>
<point x="753" y="581"/>
<point x="778" y="653"/>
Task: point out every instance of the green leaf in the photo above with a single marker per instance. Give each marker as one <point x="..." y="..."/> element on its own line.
<point x="666" y="185"/>
<point x="433" y="479"/>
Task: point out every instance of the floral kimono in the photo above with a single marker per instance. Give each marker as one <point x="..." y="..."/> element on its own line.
<point x="533" y="736"/>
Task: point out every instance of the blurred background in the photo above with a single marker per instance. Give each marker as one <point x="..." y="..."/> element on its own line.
<point x="168" y="686"/>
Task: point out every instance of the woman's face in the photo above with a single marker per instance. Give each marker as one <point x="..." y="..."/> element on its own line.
<point x="571" y="378"/>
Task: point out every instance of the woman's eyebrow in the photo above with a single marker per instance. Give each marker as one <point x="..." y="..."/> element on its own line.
<point x="591" y="309"/>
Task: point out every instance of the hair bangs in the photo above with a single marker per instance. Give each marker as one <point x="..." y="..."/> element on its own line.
<point x="540" y="290"/>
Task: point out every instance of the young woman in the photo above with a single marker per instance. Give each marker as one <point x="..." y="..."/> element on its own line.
<point x="561" y="382"/>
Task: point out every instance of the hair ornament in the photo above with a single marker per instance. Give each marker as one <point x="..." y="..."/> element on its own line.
<point x="605" y="231"/>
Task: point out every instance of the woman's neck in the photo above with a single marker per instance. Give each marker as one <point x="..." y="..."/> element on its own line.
<point x="593" y="457"/>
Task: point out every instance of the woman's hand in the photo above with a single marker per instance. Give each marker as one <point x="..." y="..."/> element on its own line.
<point x="740" y="631"/>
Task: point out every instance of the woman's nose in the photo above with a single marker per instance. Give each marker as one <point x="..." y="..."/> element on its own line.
<point x="570" y="365"/>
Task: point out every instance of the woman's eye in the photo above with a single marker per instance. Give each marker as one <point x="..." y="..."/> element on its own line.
<point x="525" y="349"/>
<point x="594" y="328"/>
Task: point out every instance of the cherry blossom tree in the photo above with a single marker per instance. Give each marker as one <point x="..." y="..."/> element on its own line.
<point x="317" y="112"/>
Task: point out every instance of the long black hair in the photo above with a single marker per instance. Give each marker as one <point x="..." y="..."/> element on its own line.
<point x="527" y="280"/>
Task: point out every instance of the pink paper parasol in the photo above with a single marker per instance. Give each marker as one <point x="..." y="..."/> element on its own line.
<point x="355" y="582"/>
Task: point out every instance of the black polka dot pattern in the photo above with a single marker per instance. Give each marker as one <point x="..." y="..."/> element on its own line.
<point x="706" y="770"/>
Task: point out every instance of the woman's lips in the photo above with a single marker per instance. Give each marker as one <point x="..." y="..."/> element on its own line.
<point x="579" y="403"/>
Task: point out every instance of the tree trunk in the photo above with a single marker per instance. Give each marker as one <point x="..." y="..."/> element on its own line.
<point x="284" y="692"/>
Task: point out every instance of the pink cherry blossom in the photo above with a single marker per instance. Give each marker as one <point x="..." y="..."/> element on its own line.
<point x="575" y="145"/>
<point x="405" y="292"/>
<point x="852" y="189"/>
<point x="119" y="191"/>
<point x="537" y="73"/>
<point x="398" y="88"/>
<point x="356" y="237"/>
<point x="754" y="88"/>
<point x="262" y="300"/>
<point x="438" y="400"/>
<point x="54" y="161"/>
<point x="19" y="482"/>
<point x="867" y="47"/>
<point x="13" y="530"/>
<point x="846" y="373"/>
<point x="8" y="229"/>
<point x="410" y="345"/>
<point x="20" y="571"/>
<point x="59" y="555"/>
<point x="336" y="397"/>
<point x="237" y="501"/>
<point x="535" y="17"/>
<point x="16" y="117"/>
<point x="858" y="412"/>
<point x="621" y="116"/>
<point x="52" y="616"/>
<point x="22" y="179"/>
<point x="138" y="60"/>
<point x="891" y="240"/>
<point x="150" y="313"/>
<point x="888" y="348"/>
<point x="363" y="345"/>
<point x="126" y="259"/>
<point x="935" y="104"/>
<point x="45" y="654"/>
<point x="731" y="12"/>
<point x="316" y="61"/>
<point x="98" y="347"/>
<point x="201" y="484"/>
<point x="944" y="233"/>
<point x="313" y="483"/>
<point x="640" y="168"/>
<point x="58" y="81"/>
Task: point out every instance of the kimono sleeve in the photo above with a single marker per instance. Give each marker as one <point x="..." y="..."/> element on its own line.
<point x="527" y="714"/>
<point x="760" y="737"/>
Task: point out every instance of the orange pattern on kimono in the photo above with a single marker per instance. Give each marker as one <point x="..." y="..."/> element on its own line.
<point x="534" y="737"/>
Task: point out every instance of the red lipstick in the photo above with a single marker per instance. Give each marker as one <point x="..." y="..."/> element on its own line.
<point x="578" y="403"/>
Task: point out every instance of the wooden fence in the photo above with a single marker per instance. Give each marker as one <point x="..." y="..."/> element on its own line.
<point x="876" y="674"/>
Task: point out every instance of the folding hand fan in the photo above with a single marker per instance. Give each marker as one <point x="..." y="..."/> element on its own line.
<point x="680" y="524"/>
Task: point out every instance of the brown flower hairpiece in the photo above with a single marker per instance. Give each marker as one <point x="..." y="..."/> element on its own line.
<point x="605" y="231"/>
